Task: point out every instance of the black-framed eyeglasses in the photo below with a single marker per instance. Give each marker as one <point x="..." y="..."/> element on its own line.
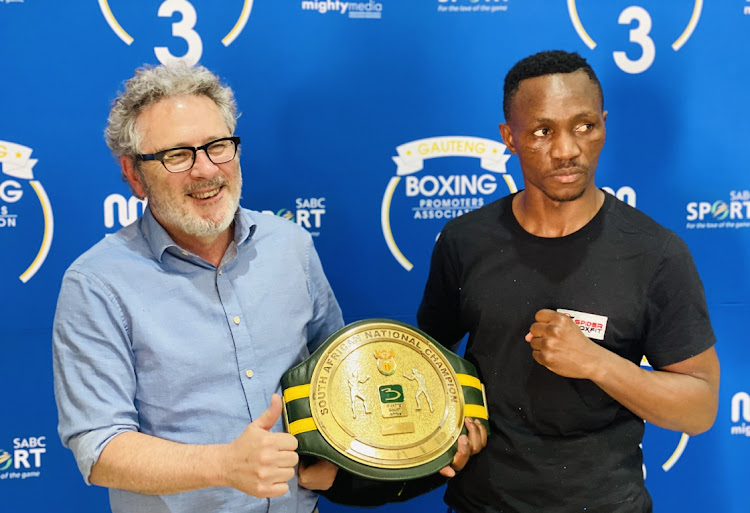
<point x="178" y="160"/>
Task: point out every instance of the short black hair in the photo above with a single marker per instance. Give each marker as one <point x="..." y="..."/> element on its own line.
<point x="545" y="63"/>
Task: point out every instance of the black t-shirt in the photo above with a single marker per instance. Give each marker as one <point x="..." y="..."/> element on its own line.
<point x="559" y="444"/>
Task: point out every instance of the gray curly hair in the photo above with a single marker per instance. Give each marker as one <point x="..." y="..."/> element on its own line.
<point x="151" y="84"/>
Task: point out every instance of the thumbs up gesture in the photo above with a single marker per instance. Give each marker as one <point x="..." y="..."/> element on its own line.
<point x="259" y="462"/>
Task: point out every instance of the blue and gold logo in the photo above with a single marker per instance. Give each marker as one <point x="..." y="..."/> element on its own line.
<point x="17" y="183"/>
<point x="441" y="193"/>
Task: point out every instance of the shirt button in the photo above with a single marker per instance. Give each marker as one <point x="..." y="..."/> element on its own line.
<point x="236" y="319"/>
<point x="185" y="253"/>
<point x="219" y="272"/>
<point x="249" y="373"/>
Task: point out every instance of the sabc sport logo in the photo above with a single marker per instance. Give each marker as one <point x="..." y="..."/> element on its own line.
<point x="308" y="214"/>
<point x="421" y="203"/>
<point x="26" y="460"/>
<point x="732" y="214"/>
<point x="19" y="213"/>
<point x="132" y="15"/>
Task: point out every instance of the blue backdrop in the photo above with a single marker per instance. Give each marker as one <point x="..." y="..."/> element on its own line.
<point x="371" y="123"/>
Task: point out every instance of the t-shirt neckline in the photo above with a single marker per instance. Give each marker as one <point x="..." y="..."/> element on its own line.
<point x="585" y="230"/>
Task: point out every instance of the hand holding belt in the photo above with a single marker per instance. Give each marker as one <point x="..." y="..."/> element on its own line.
<point x="382" y="400"/>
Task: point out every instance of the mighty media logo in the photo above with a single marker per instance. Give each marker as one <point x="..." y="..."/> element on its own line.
<point x="741" y="414"/>
<point x="125" y="210"/>
<point x="362" y="10"/>
<point x="20" y="216"/>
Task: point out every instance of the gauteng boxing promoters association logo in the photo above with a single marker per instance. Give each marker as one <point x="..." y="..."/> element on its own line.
<point x="26" y="225"/>
<point x="421" y="202"/>
<point x="732" y="213"/>
<point x="184" y="30"/>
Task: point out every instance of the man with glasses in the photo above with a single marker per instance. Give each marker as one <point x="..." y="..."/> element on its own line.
<point x="171" y="335"/>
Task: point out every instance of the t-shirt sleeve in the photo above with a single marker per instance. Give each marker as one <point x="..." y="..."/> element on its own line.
<point x="677" y="322"/>
<point x="439" y="314"/>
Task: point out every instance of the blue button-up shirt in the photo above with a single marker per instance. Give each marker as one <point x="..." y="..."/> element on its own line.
<point x="151" y="338"/>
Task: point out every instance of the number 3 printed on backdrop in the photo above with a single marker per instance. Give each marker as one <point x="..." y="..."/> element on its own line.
<point x="638" y="35"/>
<point x="182" y="29"/>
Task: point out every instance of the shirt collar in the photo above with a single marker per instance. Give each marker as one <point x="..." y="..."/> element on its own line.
<point x="159" y="240"/>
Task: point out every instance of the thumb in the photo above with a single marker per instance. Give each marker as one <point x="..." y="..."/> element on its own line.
<point x="269" y="417"/>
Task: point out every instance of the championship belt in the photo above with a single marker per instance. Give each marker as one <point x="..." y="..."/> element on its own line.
<point x="383" y="400"/>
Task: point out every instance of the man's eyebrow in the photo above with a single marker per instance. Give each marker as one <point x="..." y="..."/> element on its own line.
<point x="584" y="114"/>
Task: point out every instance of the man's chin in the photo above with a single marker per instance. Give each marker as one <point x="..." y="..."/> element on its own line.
<point x="206" y="228"/>
<point x="562" y="197"/>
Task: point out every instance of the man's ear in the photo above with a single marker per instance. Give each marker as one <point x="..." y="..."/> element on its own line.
<point x="507" y="137"/>
<point x="133" y="177"/>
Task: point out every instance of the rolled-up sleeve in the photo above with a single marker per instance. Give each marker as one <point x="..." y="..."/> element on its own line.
<point x="94" y="375"/>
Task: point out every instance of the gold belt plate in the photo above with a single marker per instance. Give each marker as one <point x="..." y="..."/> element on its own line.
<point x="384" y="395"/>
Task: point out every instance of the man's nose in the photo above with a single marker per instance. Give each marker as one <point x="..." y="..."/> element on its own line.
<point x="565" y="146"/>
<point x="203" y="167"/>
